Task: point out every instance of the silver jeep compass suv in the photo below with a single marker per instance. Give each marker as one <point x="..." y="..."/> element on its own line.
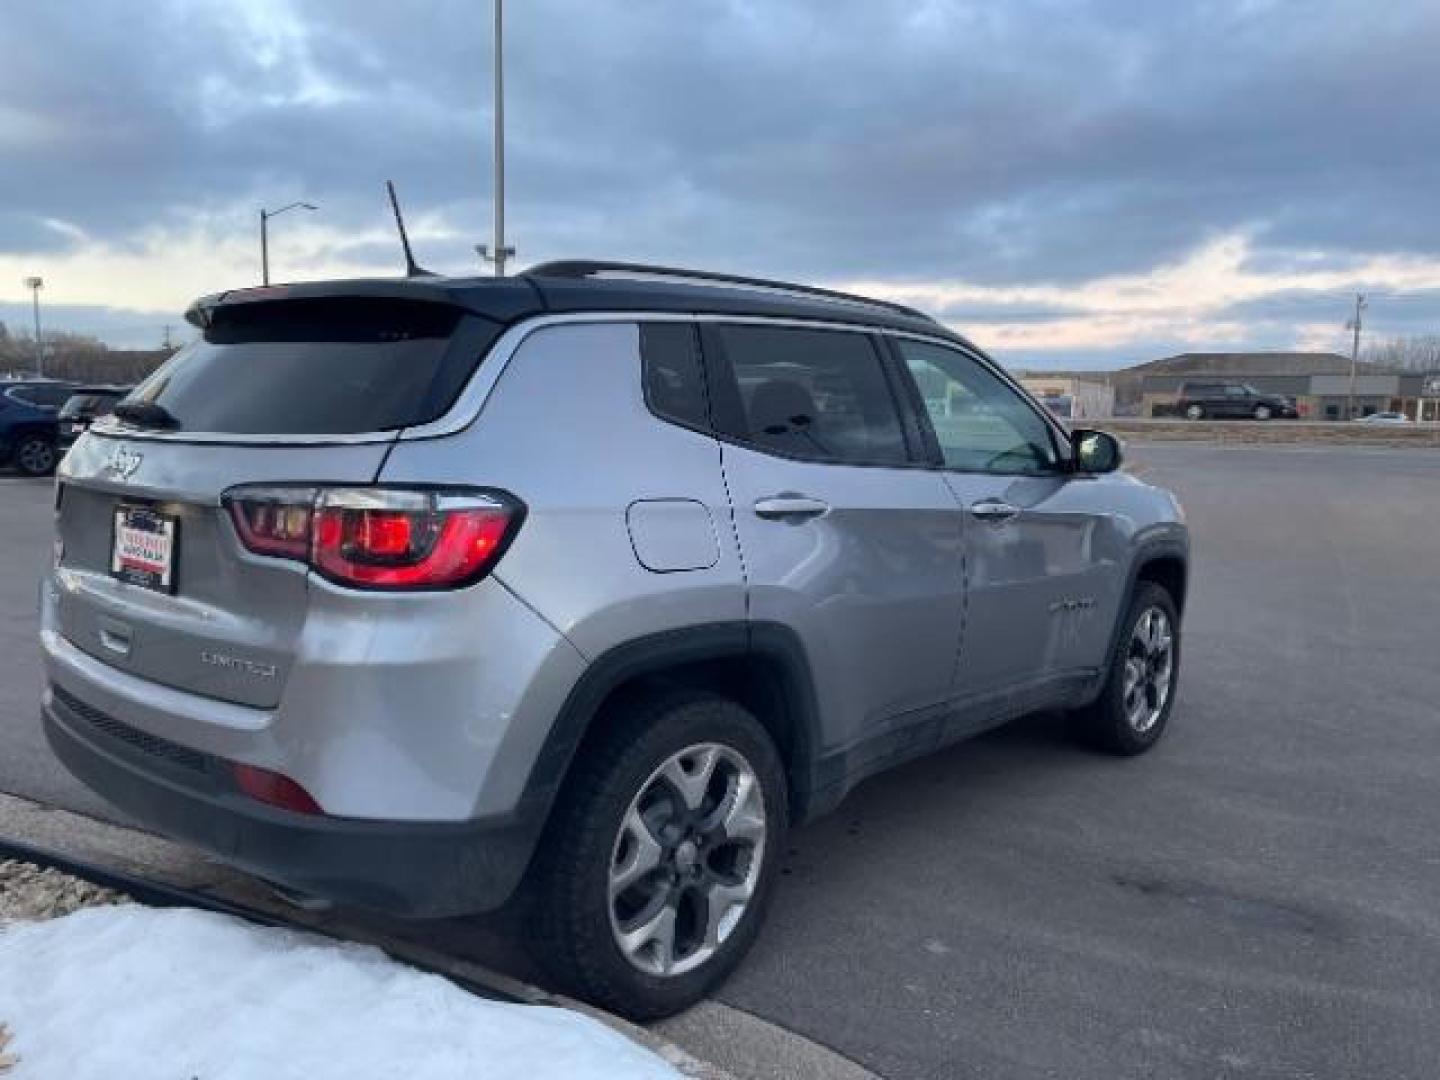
<point x="582" y="585"/>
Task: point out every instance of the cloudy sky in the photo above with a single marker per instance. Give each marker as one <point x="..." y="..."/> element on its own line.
<point x="1070" y="183"/>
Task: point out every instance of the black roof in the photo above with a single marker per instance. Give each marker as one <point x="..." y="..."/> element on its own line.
<point x="555" y="288"/>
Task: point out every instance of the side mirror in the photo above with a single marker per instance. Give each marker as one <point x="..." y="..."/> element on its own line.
<point x="1095" y="451"/>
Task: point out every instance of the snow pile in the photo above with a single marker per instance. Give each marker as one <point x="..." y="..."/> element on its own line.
<point x="114" y="993"/>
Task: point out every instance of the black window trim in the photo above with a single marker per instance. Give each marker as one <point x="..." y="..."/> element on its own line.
<point x="728" y="412"/>
<point x="709" y="428"/>
<point x="1059" y="434"/>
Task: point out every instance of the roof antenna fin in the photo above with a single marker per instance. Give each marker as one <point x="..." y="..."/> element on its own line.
<point x="412" y="268"/>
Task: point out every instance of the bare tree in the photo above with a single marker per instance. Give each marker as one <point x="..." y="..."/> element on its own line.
<point x="1416" y="353"/>
<point x="79" y="358"/>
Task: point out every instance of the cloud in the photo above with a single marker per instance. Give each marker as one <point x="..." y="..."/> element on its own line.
<point x="1221" y="296"/>
<point x="1083" y="174"/>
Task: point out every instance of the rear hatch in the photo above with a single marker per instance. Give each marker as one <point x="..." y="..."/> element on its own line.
<point x="153" y="576"/>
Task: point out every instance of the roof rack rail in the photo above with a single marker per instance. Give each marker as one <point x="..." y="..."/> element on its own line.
<point x="586" y="268"/>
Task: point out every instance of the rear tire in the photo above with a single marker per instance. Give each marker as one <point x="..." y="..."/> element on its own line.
<point x="36" y="456"/>
<point x="656" y="868"/>
<point x="1195" y="412"/>
<point x="1262" y="412"/>
<point x="1133" y="709"/>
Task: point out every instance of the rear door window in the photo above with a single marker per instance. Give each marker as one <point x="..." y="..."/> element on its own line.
<point x="77" y="404"/>
<point x="325" y="367"/>
<point x="89" y="404"/>
<point x="819" y="395"/>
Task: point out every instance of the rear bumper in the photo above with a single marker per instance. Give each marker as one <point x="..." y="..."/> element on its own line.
<point x="398" y="868"/>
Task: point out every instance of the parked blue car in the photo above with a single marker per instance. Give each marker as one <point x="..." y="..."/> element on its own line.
<point x="29" y="428"/>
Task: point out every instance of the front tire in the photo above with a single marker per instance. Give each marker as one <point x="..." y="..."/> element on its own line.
<point x="657" y="866"/>
<point x="1262" y="412"/>
<point x="1195" y="412"/>
<point x="36" y="456"/>
<point x="1133" y="709"/>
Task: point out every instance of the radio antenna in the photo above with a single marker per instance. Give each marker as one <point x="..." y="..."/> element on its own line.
<point x="412" y="268"/>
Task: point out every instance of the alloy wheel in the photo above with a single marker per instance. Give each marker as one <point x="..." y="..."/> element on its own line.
<point x="687" y="859"/>
<point x="1149" y="669"/>
<point x="36" y="457"/>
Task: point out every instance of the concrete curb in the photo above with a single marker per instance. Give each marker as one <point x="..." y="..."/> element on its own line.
<point x="736" y="1040"/>
<point x="1271" y="432"/>
<point x="144" y="856"/>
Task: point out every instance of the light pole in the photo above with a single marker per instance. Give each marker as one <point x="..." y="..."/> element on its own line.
<point x="500" y="252"/>
<point x="35" y="284"/>
<point x="1354" y="324"/>
<point x="265" y="216"/>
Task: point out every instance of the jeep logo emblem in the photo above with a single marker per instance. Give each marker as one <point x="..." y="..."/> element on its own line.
<point x="123" y="463"/>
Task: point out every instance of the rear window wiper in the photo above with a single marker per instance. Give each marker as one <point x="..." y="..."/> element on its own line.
<point x="146" y="414"/>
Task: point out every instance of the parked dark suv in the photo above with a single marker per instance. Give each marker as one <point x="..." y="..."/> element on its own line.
<point x="28" y="427"/>
<point x="84" y="406"/>
<point x="1232" y="401"/>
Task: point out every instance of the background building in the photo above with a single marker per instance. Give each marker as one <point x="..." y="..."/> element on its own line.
<point x="1073" y="396"/>
<point x="1318" y="382"/>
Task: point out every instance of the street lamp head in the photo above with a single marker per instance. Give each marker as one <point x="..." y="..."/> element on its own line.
<point x="267" y="214"/>
<point x="34" y="283"/>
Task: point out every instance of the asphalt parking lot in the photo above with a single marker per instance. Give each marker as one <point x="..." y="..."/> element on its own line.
<point x="1256" y="898"/>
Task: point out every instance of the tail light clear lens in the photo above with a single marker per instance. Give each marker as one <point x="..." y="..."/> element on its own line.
<point x="274" y="521"/>
<point x="379" y="538"/>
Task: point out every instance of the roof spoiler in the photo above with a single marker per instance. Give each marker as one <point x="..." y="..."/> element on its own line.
<point x="499" y="299"/>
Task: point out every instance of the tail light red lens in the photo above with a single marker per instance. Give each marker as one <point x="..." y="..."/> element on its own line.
<point x="385" y="534"/>
<point x="379" y="538"/>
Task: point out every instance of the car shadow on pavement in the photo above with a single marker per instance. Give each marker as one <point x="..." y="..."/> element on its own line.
<point x="884" y="805"/>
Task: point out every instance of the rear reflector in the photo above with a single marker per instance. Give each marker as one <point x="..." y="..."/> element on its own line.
<point x="269" y="787"/>
<point x="379" y="538"/>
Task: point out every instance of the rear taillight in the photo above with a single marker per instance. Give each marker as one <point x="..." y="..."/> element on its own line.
<point x="379" y="538"/>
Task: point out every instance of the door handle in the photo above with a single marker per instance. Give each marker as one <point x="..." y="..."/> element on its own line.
<point x="790" y="506"/>
<point x="994" y="511"/>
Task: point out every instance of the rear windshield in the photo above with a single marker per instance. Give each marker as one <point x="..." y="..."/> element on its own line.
<point x="89" y="404"/>
<point x="322" y="367"/>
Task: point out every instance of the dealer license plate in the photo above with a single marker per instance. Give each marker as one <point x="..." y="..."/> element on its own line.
<point x="144" y="549"/>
